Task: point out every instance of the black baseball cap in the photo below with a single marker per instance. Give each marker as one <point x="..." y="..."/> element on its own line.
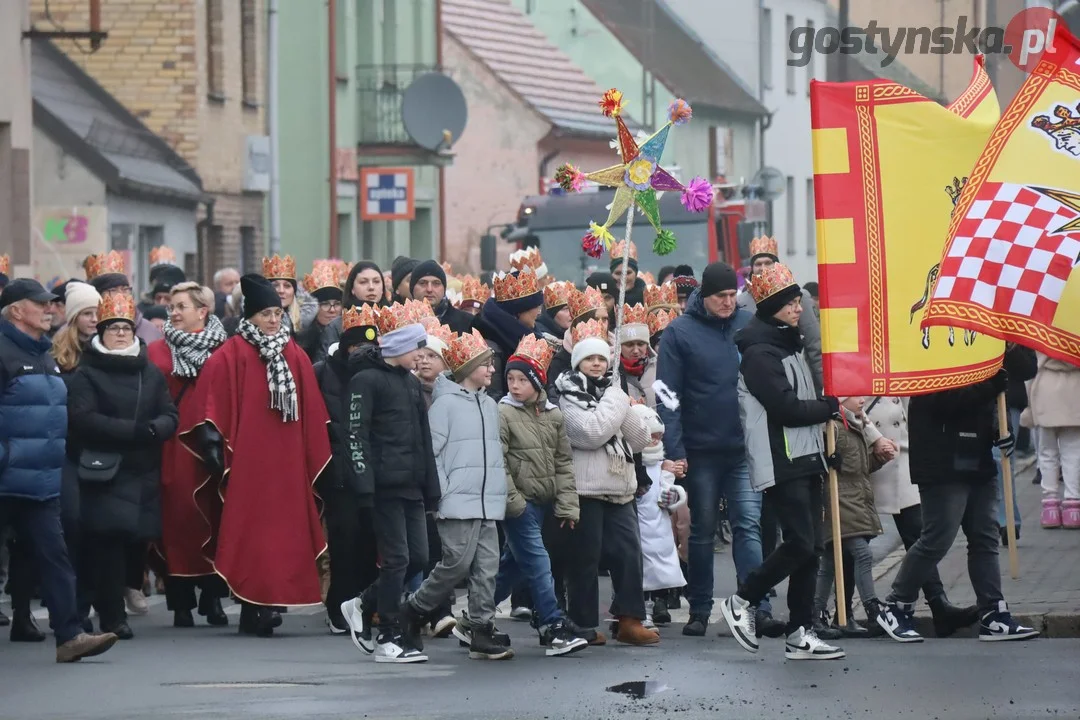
<point x="25" y="289"/>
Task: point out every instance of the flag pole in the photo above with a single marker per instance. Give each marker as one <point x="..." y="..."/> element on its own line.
<point x="834" y="513"/>
<point x="1006" y="476"/>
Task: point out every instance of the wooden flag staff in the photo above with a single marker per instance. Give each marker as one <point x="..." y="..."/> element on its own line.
<point x="1006" y="476"/>
<point x="834" y="513"/>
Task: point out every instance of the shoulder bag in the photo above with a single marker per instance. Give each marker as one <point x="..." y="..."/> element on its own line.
<point x="99" y="466"/>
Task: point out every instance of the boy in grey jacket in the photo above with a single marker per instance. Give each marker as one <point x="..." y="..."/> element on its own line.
<point x="464" y="424"/>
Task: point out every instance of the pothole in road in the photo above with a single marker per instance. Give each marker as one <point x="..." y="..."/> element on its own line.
<point x="242" y="685"/>
<point x="639" y="689"/>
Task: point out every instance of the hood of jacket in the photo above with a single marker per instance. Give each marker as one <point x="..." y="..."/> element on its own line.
<point x="758" y="331"/>
<point x="445" y="385"/>
<point x="501" y="328"/>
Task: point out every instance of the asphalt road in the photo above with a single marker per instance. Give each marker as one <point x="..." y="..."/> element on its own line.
<point x="213" y="673"/>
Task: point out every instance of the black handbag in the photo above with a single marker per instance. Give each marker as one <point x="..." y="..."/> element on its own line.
<point x="99" y="466"/>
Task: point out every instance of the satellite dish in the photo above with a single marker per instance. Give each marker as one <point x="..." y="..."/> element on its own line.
<point x="771" y="181"/>
<point x="434" y="112"/>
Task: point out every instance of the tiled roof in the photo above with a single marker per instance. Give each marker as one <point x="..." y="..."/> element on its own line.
<point x="502" y="37"/>
<point x="678" y="58"/>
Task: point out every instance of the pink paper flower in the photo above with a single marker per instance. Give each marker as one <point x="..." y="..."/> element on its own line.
<point x="698" y="195"/>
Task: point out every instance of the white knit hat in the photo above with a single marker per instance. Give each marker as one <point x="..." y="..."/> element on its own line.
<point x="587" y="348"/>
<point x="649" y="417"/>
<point x="79" y="296"/>
<point x="435" y="344"/>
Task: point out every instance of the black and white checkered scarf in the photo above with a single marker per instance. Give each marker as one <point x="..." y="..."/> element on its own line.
<point x="278" y="375"/>
<point x="190" y="350"/>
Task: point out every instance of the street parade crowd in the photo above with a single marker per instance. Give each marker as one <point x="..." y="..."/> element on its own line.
<point x="377" y="442"/>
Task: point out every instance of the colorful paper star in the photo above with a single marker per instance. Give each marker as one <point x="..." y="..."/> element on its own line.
<point x="638" y="178"/>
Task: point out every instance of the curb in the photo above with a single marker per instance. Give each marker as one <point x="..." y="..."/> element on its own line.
<point x="1049" y="625"/>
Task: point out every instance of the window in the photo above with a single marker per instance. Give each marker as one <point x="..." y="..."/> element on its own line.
<point x="766" y="48"/>
<point x="248" y="250"/>
<point x="720" y="149"/>
<point x="215" y="48"/>
<point x="789" y="69"/>
<point x="811" y="219"/>
<point x="249" y="52"/>
<point x="810" y="58"/>
<point x="789" y="216"/>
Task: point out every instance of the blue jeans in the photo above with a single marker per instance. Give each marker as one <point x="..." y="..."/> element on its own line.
<point x="710" y="477"/>
<point x="525" y="561"/>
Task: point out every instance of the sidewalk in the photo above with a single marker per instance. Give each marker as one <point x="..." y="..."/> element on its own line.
<point x="1047" y="594"/>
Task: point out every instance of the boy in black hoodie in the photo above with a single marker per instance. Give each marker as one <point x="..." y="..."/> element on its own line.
<point x="391" y="459"/>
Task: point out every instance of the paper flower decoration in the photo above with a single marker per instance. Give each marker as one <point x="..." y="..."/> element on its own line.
<point x="638" y="179"/>
<point x="569" y="178"/>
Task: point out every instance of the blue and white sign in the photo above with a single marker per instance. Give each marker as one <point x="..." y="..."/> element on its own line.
<point x="387" y="194"/>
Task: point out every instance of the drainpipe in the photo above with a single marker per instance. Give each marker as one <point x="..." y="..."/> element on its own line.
<point x="273" y="127"/>
<point x="442" y="168"/>
<point x="331" y="60"/>
<point x="544" y="161"/>
<point x="202" y="228"/>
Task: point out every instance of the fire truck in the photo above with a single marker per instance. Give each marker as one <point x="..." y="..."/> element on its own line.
<point x="556" y="222"/>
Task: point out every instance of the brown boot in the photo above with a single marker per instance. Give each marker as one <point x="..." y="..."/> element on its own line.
<point x="84" y="645"/>
<point x="632" y="632"/>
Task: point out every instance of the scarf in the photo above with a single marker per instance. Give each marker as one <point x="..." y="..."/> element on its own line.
<point x="190" y="350"/>
<point x="131" y="350"/>
<point x="278" y="375"/>
<point x="653" y="455"/>
<point x="633" y="367"/>
<point x="585" y="392"/>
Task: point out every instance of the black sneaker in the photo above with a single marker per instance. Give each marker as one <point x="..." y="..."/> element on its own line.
<point x="696" y="626"/>
<point x="394" y="647"/>
<point x="1000" y="626"/>
<point x="484" y="646"/>
<point x="412" y="622"/>
<point x="558" y="639"/>
<point x="768" y="626"/>
<point x="463" y="632"/>
<point x="898" y="623"/>
<point x="358" y="615"/>
<point x="660" y="613"/>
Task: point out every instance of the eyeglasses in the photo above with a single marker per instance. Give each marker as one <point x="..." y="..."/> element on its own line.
<point x="330" y="305"/>
<point x="119" y="330"/>
<point x="179" y="307"/>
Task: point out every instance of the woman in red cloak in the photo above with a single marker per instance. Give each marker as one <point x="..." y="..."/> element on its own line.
<point x="262" y="431"/>
<point x="190" y="509"/>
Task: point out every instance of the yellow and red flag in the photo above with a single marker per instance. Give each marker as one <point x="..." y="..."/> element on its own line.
<point x="1009" y="267"/>
<point x="888" y="167"/>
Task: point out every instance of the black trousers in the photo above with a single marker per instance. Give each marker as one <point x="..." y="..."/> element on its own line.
<point x="180" y="590"/>
<point x="106" y="560"/>
<point x="909" y="525"/>
<point x="350" y="534"/>
<point x="605" y="532"/>
<point x="401" y="536"/>
<point x="797" y="505"/>
<point x="135" y="564"/>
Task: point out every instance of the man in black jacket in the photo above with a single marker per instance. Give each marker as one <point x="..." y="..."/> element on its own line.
<point x="428" y="282"/>
<point x="952" y="436"/>
<point x="349" y="533"/>
<point x="391" y="459"/>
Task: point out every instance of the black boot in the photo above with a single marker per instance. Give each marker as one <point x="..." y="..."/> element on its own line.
<point x="873" y="609"/>
<point x="24" y="629"/>
<point x="768" y="626"/>
<point x="4" y="620"/>
<point x="949" y="618"/>
<point x="823" y="631"/>
<point x="210" y="608"/>
<point x="412" y="622"/>
<point x="485" y="647"/>
<point x="660" y="613"/>
<point x="183" y="619"/>
<point x="852" y="629"/>
<point x="249" y="619"/>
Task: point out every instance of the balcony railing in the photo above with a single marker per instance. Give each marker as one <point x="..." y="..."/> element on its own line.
<point x="381" y="89"/>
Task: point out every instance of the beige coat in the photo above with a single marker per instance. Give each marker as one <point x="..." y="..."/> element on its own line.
<point x="893" y="490"/>
<point x="642" y="388"/>
<point x="1054" y="394"/>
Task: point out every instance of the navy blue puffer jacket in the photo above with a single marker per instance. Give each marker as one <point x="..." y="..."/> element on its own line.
<point x="33" y="417"/>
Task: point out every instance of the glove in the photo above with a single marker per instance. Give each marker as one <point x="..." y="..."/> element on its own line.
<point x="834" y="406"/>
<point x="667" y="498"/>
<point x="213" y="458"/>
<point x="1006" y="445"/>
<point x="1000" y="381"/>
<point x="145" y="433"/>
<point x="834" y="461"/>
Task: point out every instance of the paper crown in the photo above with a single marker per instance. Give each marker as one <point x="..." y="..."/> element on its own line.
<point x="647" y="278"/>
<point x="557" y="294"/>
<point x="537" y="350"/>
<point x="116" y="306"/>
<point x="419" y="310"/>
<point x="635" y="314"/>
<point x="5" y="264"/>
<point x="462" y="348"/>
<point x="770" y="281"/>
<point x="341" y="269"/>
<point x="661" y="296"/>
<point x="162" y="255"/>
<point x="104" y="264"/>
<point x="440" y="331"/>
<point x="354" y="317"/>
<point x="764" y="245"/>
<point x="516" y="285"/>
<point x="472" y="290"/>
<point x="589" y="329"/>
<point x="394" y="317"/>
<point x="659" y="320"/>
<point x="619" y="248"/>
<point x="279" y="268"/>
<point x="528" y="257"/>
<point x="323" y="275"/>
<point x="1064" y="114"/>
<point x="583" y="303"/>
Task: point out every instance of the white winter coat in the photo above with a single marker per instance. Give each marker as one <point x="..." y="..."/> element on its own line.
<point x="660" y="559"/>
<point x="893" y="490"/>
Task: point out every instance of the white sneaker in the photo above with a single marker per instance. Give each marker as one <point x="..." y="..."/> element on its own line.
<point x="135" y="602"/>
<point x="520" y="613"/>
<point x="741" y="619"/>
<point x="803" y="644"/>
<point x="444" y="626"/>
<point x="395" y="649"/>
<point x="359" y="631"/>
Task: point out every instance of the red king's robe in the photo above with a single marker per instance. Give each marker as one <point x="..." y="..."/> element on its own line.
<point x="190" y="508"/>
<point x="270" y="534"/>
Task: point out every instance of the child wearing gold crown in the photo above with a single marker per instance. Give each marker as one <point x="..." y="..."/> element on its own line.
<point x="605" y="436"/>
<point x="783" y="425"/>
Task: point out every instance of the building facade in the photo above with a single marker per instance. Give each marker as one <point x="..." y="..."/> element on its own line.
<point x="194" y="73"/>
<point x="16" y="135"/>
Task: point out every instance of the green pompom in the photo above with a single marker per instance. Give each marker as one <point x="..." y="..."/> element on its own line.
<point x="664" y="243"/>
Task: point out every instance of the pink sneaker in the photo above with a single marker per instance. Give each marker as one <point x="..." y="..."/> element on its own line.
<point x="1051" y="513"/>
<point x="1070" y="514"/>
